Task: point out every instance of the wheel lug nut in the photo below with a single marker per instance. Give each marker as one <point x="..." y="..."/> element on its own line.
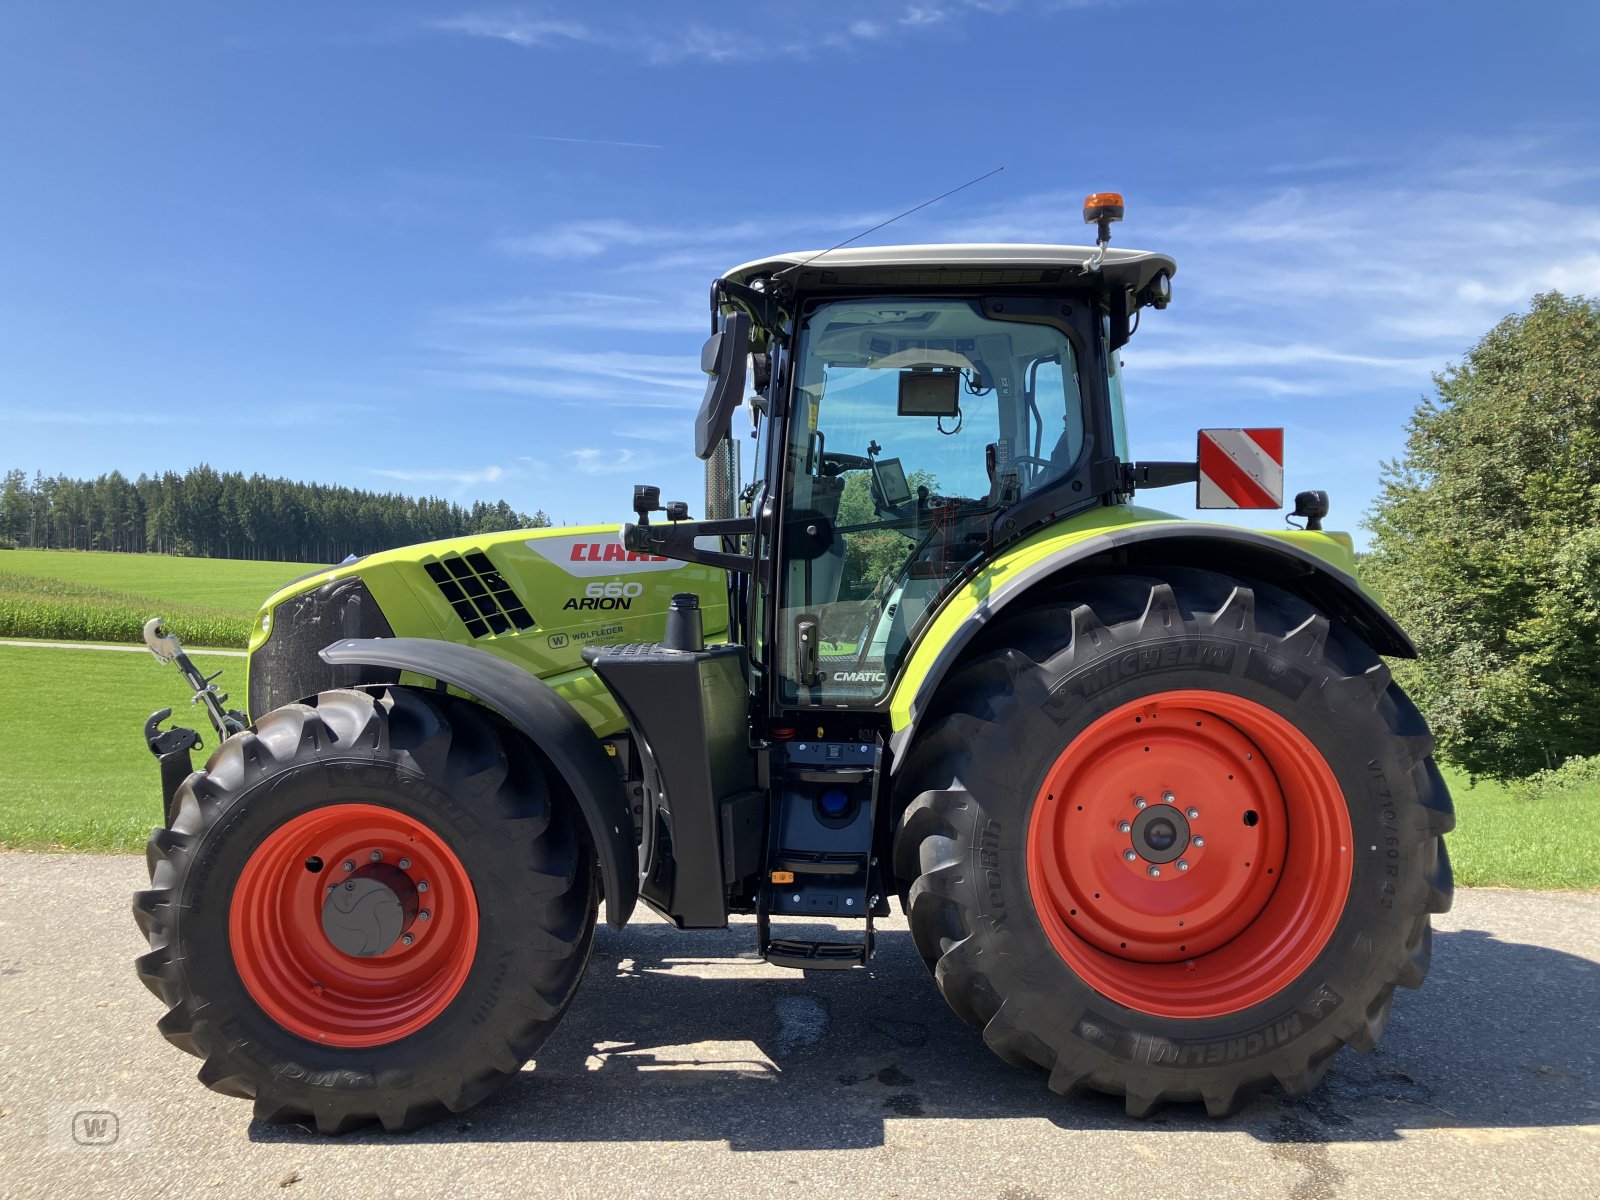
<point x="1123" y="827"/>
<point x="425" y="914"/>
<point x="1193" y="813"/>
<point x="1129" y="855"/>
<point x="349" y="865"/>
<point x="1200" y="842"/>
<point x="376" y="856"/>
<point x="1183" y="864"/>
<point x="407" y="939"/>
<point x="1138" y="801"/>
<point x="1155" y="872"/>
<point x="1168" y="798"/>
<point x="422" y="885"/>
<point x="405" y="864"/>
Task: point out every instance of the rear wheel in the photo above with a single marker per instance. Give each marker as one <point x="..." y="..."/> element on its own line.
<point x="1173" y="838"/>
<point x="368" y="907"/>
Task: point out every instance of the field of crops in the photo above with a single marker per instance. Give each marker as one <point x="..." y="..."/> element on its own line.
<point x="69" y="595"/>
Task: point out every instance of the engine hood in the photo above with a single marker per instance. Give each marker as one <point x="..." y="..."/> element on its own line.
<point x="536" y="597"/>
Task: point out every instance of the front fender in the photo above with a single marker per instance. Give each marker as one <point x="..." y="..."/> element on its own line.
<point x="535" y="710"/>
<point x="1300" y="562"/>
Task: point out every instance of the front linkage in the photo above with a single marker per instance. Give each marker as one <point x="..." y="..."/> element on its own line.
<point x="172" y="747"/>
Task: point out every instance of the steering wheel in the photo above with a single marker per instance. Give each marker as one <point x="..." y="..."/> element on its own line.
<point x="843" y="462"/>
<point x="1040" y="465"/>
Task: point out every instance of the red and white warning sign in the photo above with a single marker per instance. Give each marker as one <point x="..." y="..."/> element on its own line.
<point x="1240" y="468"/>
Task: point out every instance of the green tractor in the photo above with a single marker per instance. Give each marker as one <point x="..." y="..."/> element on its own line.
<point x="1160" y="821"/>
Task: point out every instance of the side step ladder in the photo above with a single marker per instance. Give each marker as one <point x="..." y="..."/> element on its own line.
<point x="814" y="956"/>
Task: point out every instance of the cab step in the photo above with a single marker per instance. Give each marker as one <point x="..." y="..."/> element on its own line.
<point x="802" y="955"/>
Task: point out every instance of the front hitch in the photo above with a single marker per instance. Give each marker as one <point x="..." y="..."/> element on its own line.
<point x="172" y="747"/>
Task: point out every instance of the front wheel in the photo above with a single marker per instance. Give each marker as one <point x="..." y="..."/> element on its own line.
<point x="369" y="907"/>
<point x="1174" y="838"/>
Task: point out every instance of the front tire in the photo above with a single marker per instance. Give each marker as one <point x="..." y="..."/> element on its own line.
<point x="369" y="907"/>
<point x="1174" y="839"/>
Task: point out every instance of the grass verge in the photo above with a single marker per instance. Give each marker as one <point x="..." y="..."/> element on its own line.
<point x="1535" y="841"/>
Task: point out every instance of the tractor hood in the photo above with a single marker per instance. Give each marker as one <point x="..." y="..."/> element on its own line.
<point x="536" y="597"/>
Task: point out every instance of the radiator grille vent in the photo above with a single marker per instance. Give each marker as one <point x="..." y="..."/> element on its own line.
<point x="480" y="595"/>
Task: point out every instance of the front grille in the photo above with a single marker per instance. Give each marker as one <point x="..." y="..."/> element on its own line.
<point x="480" y="595"/>
<point x="287" y="668"/>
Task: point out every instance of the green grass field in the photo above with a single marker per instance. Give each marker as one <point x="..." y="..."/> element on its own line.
<point x="73" y="595"/>
<point x="79" y="777"/>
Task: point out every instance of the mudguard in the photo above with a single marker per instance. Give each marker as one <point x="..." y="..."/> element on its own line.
<point x="533" y="708"/>
<point x="1143" y="539"/>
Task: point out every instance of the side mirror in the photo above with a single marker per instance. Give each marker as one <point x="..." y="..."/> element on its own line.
<point x="723" y="358"/>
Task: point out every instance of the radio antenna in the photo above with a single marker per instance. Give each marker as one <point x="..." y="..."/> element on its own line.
<point x="890" y="221"/>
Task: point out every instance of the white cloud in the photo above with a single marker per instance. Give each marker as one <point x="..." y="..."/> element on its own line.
<point x="585" y="310"/>
<point x="765" y="31"/>
<point x="654" y="370"/>
<point x="1349" y="282"/>
<point x="701" y="44"/>
<point x="54" y="416"/>
<point x="589" y="461"/>
<point x="462" y="479"/>
<point x="515" y="28"/>
<point x="1232" y="353"/>
<point x="583" y="141"/>
<point x="593" y="237"/>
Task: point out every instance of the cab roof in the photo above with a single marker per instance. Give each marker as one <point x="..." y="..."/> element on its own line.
<point x="969" y="263"/>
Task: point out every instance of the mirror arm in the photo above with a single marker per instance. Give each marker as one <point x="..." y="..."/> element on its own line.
<point x="763" y="307"/>
<point x="676" y="539"/>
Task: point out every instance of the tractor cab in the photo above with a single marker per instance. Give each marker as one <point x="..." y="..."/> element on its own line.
<point x="927" y="406"/>
<point x="915" y="409"/>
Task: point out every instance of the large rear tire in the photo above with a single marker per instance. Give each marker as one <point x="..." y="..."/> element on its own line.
<point x="369" y="907"/>
<point x="1173" y="838"/>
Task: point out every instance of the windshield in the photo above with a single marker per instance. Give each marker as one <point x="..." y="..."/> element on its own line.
<point x="913" y="422"/>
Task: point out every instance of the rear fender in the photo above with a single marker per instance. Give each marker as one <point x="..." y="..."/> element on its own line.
<point x="1280" y="559"/>
<point x="534" y="709"/>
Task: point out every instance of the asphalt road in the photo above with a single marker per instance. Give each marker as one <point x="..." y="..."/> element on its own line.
<point x="686" y="1068"/>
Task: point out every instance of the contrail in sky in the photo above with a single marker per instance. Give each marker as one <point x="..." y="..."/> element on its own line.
<point x="545" y="137"/>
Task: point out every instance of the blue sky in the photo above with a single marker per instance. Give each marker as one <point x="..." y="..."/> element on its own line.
<point x="464" y="250"/>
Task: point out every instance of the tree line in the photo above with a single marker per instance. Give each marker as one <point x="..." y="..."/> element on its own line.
<point x="215" y="514"/>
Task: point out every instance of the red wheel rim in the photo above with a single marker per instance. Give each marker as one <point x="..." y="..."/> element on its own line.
<point x="1260" y="838"/>
<point x="307" y="984"/>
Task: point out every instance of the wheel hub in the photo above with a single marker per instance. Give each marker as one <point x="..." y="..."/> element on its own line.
<point x="1160" y="834"/>
<point x="370" y="911"/>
